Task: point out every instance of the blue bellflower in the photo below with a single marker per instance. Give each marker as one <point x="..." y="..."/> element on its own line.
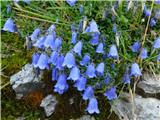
<point x="100" y="48"/>
<point x="90" y="72"/>
<point x="40" y="42"/>
<point x="8" y="9"/>
<point x="85" y="60"/>
<point x="88" y="93"/>
<point x="126" y="77"/>
<point x="69" y="60"/>
<point x="35" y="34"/>
<point x="144" y="53"/>
<point x="78" y="48"/>
<point x="35" y="58"/>
<point x="9" y="26"/>
<point x="113" y="52"/>
<point x="158" y="57"/>
<point x="157" y="1"/>
<point x="93" y="106"/>
<point x="74" y="73"/>
<point x="95" y="39"/>
<point x="43" y="61"/>
<point x="135" y="70"/>
<point x="50" y="41"/>
<point x="51" y="29"/>
<point x="59" y="62"/>
<point x="114" y="29"/>
<point x="80" y="84"/>
<point x="147" y="12"/>
<point x="111" y="93"/>
<point x="81" y="9"/>
<point x="74" y="38"/>
<point x="135" y="47"/>
<point x="100" y="69"/>
<point x="80" y="26"/>
<point x="152" y="22"/>
<point x="93" y="27"/>
<point x="156" y="43"/>
<point x="107" y="79"/>
<point x="54" y="74"/>
<point x="61" y="85"/>
<point x="71" y="2"/>
<point x="58" y="42"/>
<point x="53" y="57"/>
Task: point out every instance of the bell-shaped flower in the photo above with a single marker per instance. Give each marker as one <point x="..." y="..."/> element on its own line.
<point x="59" y="62"/>
<point x="80" y="84"/>
<point x="8" y="9"/>
<point x="113" y="52"/>
<point x="85" y="60"/>
<point x="51" y="29"/>
<point x="147" y="12"/>
<point x="94" y="39"/>
<point x="54" y="74"/>
<point x="43" y="61"/>
<point x="35" y="58"/>
<point x="69" y="60"/>
<point x="74" y="73"/>
<point x="78" y="48"/>
<point x="81" y="9"/>
<point x="107" y="79"/>
<point x="58" y="42"/>
<point x="135" y="47"/>
<point x="61" y="85"/>
<point x="158" y="57"/>
<point x="40" y="42"/>
<point x="93" y="27"/>
<point x="88" y="93"/>
<point x="111" y="93"/>
<point x="157" y="1"/>
<point x="135" y="70"/>
<point x="152" y="22"/>
<point x="53" y="57"/>
<point x="100" y="48"/>
<point x="90" y="72"/>
<point x="144" y="53"/>
<point x="80" y="26"/>
<point x="74" y="37"/>
<point x="71" y="2"/>
<point x="126" y="77"/>
<point x="114" y="29"/>
<point x="35" y="34"/>
<point x="93" y="106"/>
<point x="9" y="26"/>
<point x="100" y="69"/>
<point x="156" y="43"/>
<point x="50" y="41"/>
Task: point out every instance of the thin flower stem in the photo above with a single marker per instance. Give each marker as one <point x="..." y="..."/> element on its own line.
<point x="4" y="85"/>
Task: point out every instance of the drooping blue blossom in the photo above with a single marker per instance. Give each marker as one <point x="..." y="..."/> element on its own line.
<point x="100" y="48"/>
<point x="85" y="60"/>
<point x="59" y="62"/>
<point x="92" y="28"/>
<point x="40" y="42"/>
<point x="9" y="26"/>
<point x="35" y="58"/>
<point x="113" y="52"/>
<point x="135" y="70"/>
<point x="93" y="106"/>
<point x="58" y="42"/>
<point x="152" y="22"/>
<point x="88" y="93"/>
<point x="114" y="29"/>
<point x="156" y="43"/>
<point x="71" y="2"/>
<point x="126" y="77"/>
<point x="111" y="93"/>
<point x="135" y="47"/>
<point x="158" y="57"/>
<point x="90" y="72"/>
<point x="43" y="61"/>
<point x="94" y="38"/>
<point x="81" y="9"/>
<point x="107" y="79"/>
<point x="53" y="57"/>
<point x="69" y="60"/>
<point x="26" y="1"/>
<point x="51" y="29"/>
<point x="80" y="84"/>
<point x="78" y="48"/>
<point x="61" y="85"/>
<point x="74" y="73"/>
<point x="147" y="12"/>
<point x="8" y="9"/>
<point x="100" y="69"/>
<point x="74" y="38"/>
<point x="35" y="34"/>
<point x="80" y="26"/>
<point x="50" y="41"/>
<point x="144" y="53"/>
<point x="157" y="1"/>
<point x="54" y="74"/>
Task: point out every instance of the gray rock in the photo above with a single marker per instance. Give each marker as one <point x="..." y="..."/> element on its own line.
<point x="25" y="81"/>
<point x="85" y="117"/>
<point x="146" y="109"/>
<point x="150" y="84"/>
<point x="49" y="103"/>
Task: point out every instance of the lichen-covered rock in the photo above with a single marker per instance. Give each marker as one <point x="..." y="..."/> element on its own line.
<point x="150" y="84"/>
<point x="145" y="108"/>
<point x="49" y="103"/>
<point x="26" y="81"/>
<point x="85" y="117"/>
